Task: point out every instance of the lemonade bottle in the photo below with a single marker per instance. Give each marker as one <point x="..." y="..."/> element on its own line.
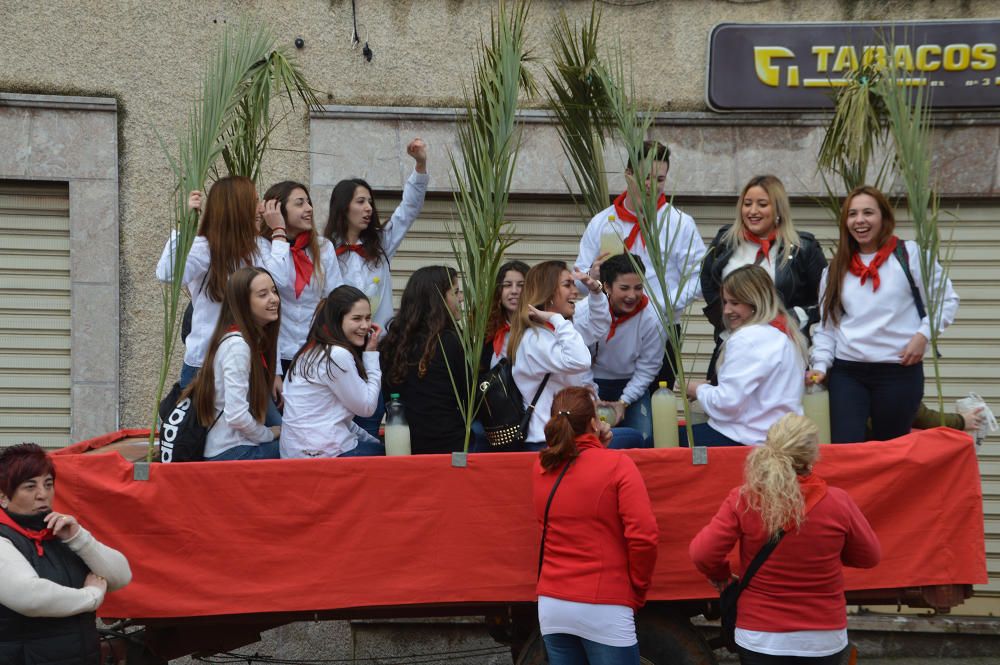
<point x="611" y="240"/>
<point x="816" y="407"/>
<point x="374" y="293"/>
<point x="397" y="432"/>
<point x="664" y="417"/>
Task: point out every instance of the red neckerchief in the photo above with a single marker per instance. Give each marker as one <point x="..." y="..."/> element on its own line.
<point x="499" y="337"/>
<point x="813" y="489"/>
<point x="618" y="320"/>
<point x="357" y="248"/>
<point x="34" y="536"/>
<point x="549" y="325"/>
<point x="626" y="215"/>
<point x="863" y="271"/>
<point x="303" y="264"/>
<point x="765" y="243"/>
<point x="234" y="328"/>
<point x="781" y="323"/>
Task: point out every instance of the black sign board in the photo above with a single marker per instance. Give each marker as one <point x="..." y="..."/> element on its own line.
<point x="800" y="66"/>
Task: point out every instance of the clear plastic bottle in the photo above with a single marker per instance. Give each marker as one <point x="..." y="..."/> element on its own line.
<point x="374" y="293"/>
<point x="816" y="407"/>
<point x="606" y="413"/>
<point x="397" y="432"/>
<point x="611" y="240"/>
<point x="664" y="404"/>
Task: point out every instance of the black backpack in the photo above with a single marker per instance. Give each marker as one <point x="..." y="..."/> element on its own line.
<point x="502" y="411"/>
<point x="182" y="436"/>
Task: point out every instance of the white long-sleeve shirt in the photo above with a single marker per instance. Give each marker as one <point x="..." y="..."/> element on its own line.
<point x="678" y="235"/>
<point x="297" y="312"/>
<point x="562" y="352"/>
<point x="206" y="311"/>
<point x="876" y="326"/>
<point x="634" y="353"/>
<point x="236" y="426"/>
<point x="362" y="274"/>
<point x="761" y="379"/>
<point x="320" y="406"/>
<point x="24" y="592"/>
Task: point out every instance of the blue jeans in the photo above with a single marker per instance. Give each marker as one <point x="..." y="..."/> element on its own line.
<point x="887" y="393"/>
<point x="638" y="416"/>
<point x="706" y="435"/>
<point x="626" y="437"/>
<point x="267" y="450"/>
<point x="372" y="423"/>
<point x="365" y="449"/>
<point x="566" y="649"/>
<point x="187" y="374"/>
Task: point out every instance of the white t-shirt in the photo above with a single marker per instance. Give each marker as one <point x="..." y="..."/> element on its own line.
<point x="612" y="625"/>
<point x="802" y="643"/>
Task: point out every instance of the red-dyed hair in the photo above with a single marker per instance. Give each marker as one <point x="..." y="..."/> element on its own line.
<point x="573" y="411"/>
<point x="20" y="463"/>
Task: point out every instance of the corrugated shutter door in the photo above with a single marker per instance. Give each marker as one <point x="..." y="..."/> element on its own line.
<point x="971" y="358"/>
<point x="35" y="391"/>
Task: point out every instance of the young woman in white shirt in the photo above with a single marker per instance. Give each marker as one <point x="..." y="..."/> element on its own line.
<point x="232" y="391"/>
<point x="506" y="299"/>
<point x="874" y="332"/>
<point x="334" y="377"/>
<point x="227" y="240"/>
<point x="761" y="366"/>
<point x="302" y="262"/>
<point x="550" y="336"/>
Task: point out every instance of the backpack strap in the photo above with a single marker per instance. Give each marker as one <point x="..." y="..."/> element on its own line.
<point x="903" y="256"/>
<point x="531" y="407"/>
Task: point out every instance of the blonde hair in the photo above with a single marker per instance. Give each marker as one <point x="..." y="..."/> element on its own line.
<point x="540" y="284"/>
<point x="783" y="225"/>
<point x="771" y="485"/>
<point x="751" y="285"/>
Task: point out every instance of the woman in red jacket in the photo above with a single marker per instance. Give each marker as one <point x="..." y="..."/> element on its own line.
<point x="793" y="610"/>
<point x="599" y="539"/>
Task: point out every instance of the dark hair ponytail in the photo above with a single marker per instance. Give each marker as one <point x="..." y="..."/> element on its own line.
<point x="572" y="412"/>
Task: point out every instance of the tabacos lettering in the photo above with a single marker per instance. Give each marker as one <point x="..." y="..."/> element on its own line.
<point x="770" y="62"/>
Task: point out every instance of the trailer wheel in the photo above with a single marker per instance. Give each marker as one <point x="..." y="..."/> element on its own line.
<point x="665" y="638"/>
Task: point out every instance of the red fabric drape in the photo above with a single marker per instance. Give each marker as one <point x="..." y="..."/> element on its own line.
<point x="289" y="535"/>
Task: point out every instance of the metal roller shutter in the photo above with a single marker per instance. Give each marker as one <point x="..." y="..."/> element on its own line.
<point x="551" y="228"/>
<point x="34" y="314"/>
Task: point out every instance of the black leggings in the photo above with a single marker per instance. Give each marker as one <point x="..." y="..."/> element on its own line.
<point x="748" y="657"/>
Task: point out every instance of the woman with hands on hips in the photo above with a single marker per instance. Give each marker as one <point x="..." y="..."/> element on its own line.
<point x="55" y="573"/>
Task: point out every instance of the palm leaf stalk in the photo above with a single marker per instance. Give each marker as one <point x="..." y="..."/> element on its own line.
<point x="630" y="126"/>
<point x="855" y="134"/>
<point x="225" y="122"/>
<point x="489" y="139"/>
<point x="579" y="103"/>
<point x="909" y="120"/>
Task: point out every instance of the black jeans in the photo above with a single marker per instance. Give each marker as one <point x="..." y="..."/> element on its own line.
<point x="887" y="393"/>
<point x="748" y="657"/>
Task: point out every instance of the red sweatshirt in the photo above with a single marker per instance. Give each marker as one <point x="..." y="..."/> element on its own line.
<point x="602" y="538"/>
<point x="801" y="585"/>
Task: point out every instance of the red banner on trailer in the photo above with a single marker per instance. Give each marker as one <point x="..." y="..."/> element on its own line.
<point x="290" y="535"/>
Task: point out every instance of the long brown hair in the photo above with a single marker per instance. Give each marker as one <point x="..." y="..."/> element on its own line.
<point x="327" y="331"/>
<point x="336" y="225"/>
<point x="281" y="192"/>
<point x="228" y="225"/>
<point x="540" y="285"/>
<point x="847" y="246"/>
<point x="262" y="340"/>
<point x="423" y="315"/>
<point x="498" y="315"/>
<point x="572" y="415"/>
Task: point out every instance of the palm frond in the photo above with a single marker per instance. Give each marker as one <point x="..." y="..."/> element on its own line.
<point x="489" y="138"/>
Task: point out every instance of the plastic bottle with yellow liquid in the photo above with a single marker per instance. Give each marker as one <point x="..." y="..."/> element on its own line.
<point x="611" y="241"/>
<point x="664" y="404"/>
<point x="816" y="407"/>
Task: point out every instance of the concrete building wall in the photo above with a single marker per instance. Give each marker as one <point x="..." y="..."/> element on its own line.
<point x="149" y="57"/>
